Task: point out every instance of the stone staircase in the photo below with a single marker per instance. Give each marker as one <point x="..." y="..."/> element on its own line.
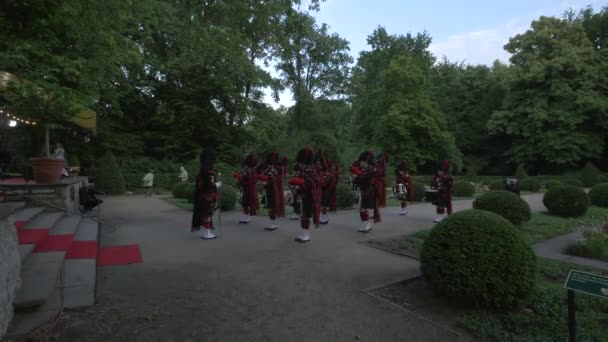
<point x="58" y="265"/>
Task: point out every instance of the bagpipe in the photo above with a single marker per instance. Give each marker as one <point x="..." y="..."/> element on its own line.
<point x="375" y="168"/>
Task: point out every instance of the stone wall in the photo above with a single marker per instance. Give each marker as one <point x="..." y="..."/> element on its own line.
<point x="10" y="266"/>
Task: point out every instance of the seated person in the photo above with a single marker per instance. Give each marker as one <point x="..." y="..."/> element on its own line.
<point x="87" y="196"/>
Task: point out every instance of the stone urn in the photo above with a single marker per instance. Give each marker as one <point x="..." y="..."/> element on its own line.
<point x="47" y="170"/>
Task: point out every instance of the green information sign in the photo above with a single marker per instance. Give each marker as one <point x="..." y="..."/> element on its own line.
<point x="588" y="283"/>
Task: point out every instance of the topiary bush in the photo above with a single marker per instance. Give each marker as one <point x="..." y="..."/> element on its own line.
<point x="550" y="184"/>
<point x="506" y="204"/>
<point x="566" y="201"/>
<point x="179" y="190"/>
<point x="229" y="197"/>
<point x="590" y="175"/>
<point x="573" y="182"/>
<point x="598" y="195"/>
<point x="529" y="184"/>
<point x="464" y="189"/>
<point x="108" y="178"/>
<point x="520" y="173"/>
<point x="497" y="185"/>
<point x="344" y="196"/>
<point x="478" y="257"/>
<point x="189" y="192"/>
<point x="419" y="191"/>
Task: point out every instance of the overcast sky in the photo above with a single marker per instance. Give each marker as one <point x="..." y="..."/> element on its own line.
<point x="473" y="31"/>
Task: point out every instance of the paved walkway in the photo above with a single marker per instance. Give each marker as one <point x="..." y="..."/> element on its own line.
<point x="252" y="285"/>
<point x="554" y="249"/>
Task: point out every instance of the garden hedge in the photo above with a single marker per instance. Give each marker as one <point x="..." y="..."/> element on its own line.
<point x="598" y="195"/>
<point x="505" y="204"/>
<point x="108" y="177"/>
<point x="566" y="201"/>
<point x="464" y="189"/>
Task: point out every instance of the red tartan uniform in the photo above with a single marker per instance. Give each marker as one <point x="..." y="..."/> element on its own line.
<point x="272" y="175"/>
<point x="367" y="180"/>
<point x="406" y="180"/>
<point x="444" y="185"/>
<point x="309" y="182"/>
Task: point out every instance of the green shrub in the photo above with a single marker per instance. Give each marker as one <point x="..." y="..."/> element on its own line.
<point x="419" y="191"/>
<point x="529" y="184"/>
<point x="520" y="173"/>
<point x="108" y="177"/>
<point x="73" y="160"/>
<point x="598" y="195"/>
<point x="464" y="189"/>
<point x="229" y="197"/>
<point x="573" y="182"/>
<point x="550" y="184"/>
<point x="189" y="192"/>
<point x="497" y="185"/>
<point x="505" y="204"/>
<point x="478" y="257"/>
<point x="179" y="190"/>
<point x="566" y="201"/>
<point x="344" y="196"/>
<point x="165" y="180"/>
<point x="590" y="175"/>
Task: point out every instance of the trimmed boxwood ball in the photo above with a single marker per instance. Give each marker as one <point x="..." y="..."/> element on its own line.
<point x="464" y="189"/>
<point x="573" y="182"/>
<point x="478" y="257"/>
<point x="550" y="184"/>
<point x="229" y="197"/>
<point x="497" y="185"/>
<point x="505" y="204"/>
<point x="189" y="192"/>
<point x="529" y="184"/>
<point x="598" y="195"/>
<point x="566" y="201"/>
<point x="590" y="175"/>
<point x="344" y="196"/>
<point x="419" y="191"/>
<point x="179" y="190"/>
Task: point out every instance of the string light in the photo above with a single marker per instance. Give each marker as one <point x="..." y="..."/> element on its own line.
<point x="12" y="117"/>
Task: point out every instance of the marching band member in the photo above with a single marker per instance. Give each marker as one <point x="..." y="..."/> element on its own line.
<point x="402" y="176"/>
<point x="364" y="175"/>
<point x="308" y="182"/>
<point x="247" y="179"/>
<point x="330" y="179"/>
<point x="443" y="183"/>
<point x="205" y="195"/>
<point x="271" y="173"/>
<point x="295" y="201"/>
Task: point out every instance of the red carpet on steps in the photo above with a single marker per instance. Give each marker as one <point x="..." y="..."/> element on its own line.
<point x="29" y="236"/>
<point x="19" y="224"/>
<point x="55" y="243"/>
<point x="82" y="250"/>
<point x="119" y="255"/>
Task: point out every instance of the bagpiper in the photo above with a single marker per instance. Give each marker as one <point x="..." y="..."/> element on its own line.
<point x="330" y="173"/>
<point x="404" y="179"/>
<point x="271" y="172"/>
<point x="206" y="195"/>
<point x="364" y="174"/>
<point x="443" y="182"/>
<point x="247" y="179"/>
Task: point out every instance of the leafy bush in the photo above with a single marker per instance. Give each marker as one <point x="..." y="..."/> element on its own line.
<point x="108" y="177"/>
<point x="229" y="197"/>
<point x="179" y="190"/>
<point x="344" y="196"/>
<point x="590" y="175"/>
<point x="520" y="173"/>
<point x="419" y="191"/>
<point x="566" y="201"/>
<point x="189" y="192"/>
<point x="464" y="189"/>
<point x="550" y="184"/>
<point x="573" y="182"/>
<point x="505" y="204"/>
<point x="594" y="245"/>
<point x="598" y="195"/>
<point x="529" y="184"/>
<point x="143" y="165"/>
<point x="497" y="185"/>
<point x="73" y="160"/>
<point x="165" y="180"/>
<point x="478" y="257"/>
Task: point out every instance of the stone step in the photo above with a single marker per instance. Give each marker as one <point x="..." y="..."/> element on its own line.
<point x="39" y="274"/>
<point x="66" y="225"/>
<point x="27" y="214"/>
<point x="81" y="274"/>
<point x="25" y="250"/>
<point x="45" y="220"/>
<point x="88" y="230"/>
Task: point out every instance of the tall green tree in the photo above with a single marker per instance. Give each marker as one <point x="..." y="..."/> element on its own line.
<point x="554" y="112"/>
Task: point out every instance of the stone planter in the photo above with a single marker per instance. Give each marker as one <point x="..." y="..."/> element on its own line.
<point x="47" y="170"/>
